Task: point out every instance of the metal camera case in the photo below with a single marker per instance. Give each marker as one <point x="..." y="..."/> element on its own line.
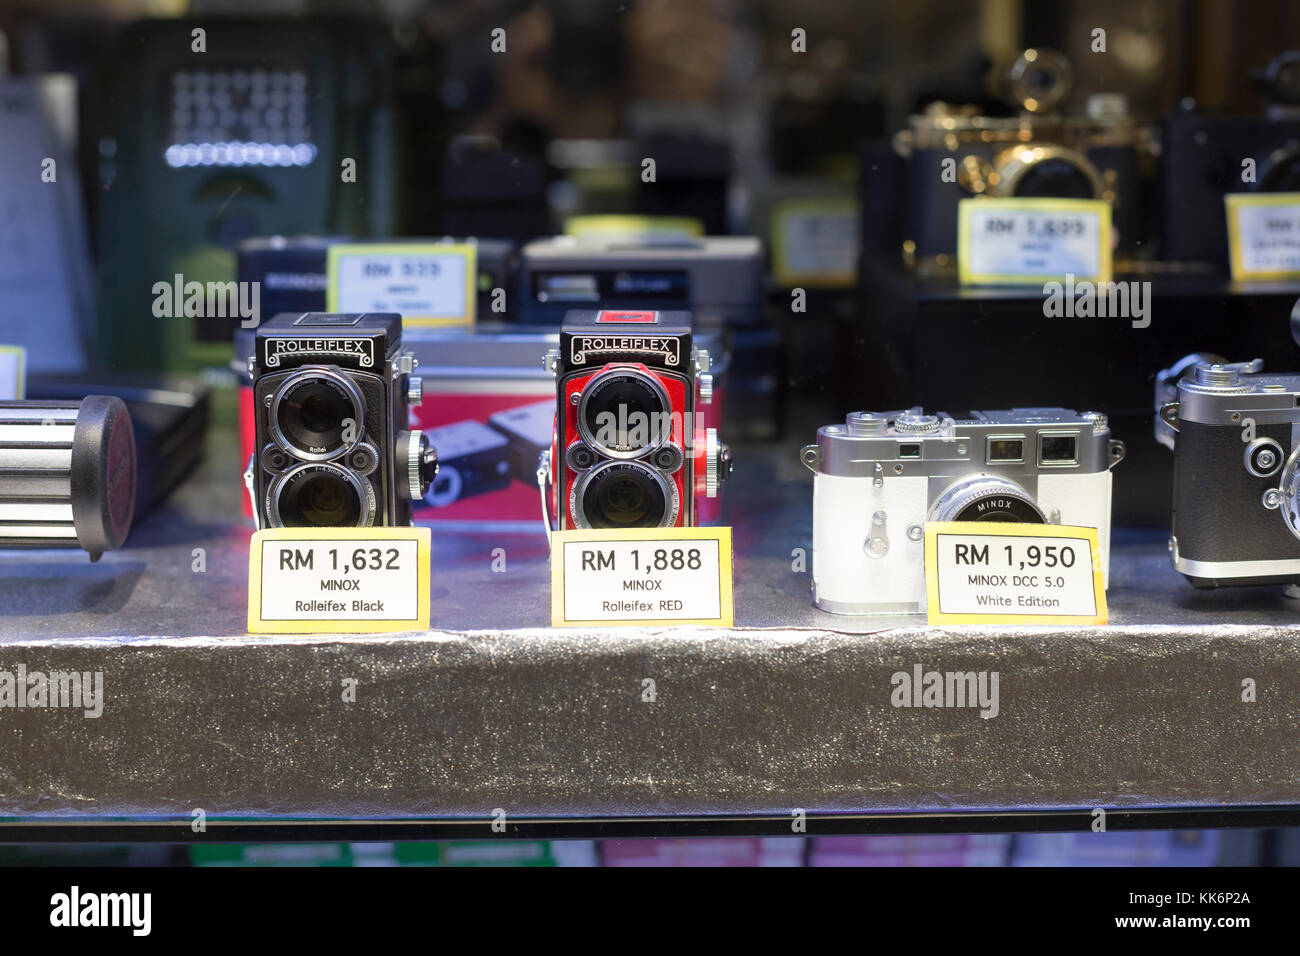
<point x="362" y="355"/>
<point x="657" y="348"/>
<point x="1235" y="518"/>
<point x="880" y="476"/>
<point x="1003" y="156"/>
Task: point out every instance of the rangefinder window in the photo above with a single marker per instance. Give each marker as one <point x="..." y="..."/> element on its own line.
<point x="1006" y="451"/>
<point x="909" y="450"/>
<point x="1058" y="449"/>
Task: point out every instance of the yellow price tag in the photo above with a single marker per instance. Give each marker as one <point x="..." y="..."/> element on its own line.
<point x="428" y="284"/>
<point x="649" y="576"/>
<point x="1032" y="241"/>
<point x="338" y="580"/>
<point x="1263" y="235"/>
<point x="980" y="572"/>
<point x="653" y="227"/>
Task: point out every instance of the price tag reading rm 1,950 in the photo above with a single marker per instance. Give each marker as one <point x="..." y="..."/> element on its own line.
<point x="640" y="576"/>
<point x="1013" y="574"/>
<point x="313" y="580"/>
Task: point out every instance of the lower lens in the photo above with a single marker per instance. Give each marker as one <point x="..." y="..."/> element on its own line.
<point x="625" y="495"/>
<point x="319" y="496"/>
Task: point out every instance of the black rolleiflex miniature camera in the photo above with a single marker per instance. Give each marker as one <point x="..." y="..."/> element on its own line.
<point x="331" y="399"/>
<point x="632" y="449"/>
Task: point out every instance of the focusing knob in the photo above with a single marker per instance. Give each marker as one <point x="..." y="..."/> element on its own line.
<point x="421" y="464"/>
<point x="717" y="462"/>
<point x="414" y="391"/>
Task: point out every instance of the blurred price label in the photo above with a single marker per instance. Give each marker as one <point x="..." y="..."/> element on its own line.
<point x="1006" y="573"/>
<point x="1031" y="241"/>
<point x="1263" y="235"/>
<point x="815" y="243"/>
<point x="427" y="283"/>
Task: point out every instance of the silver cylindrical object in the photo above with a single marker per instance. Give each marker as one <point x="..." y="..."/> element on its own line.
<point x="67" y="474"/>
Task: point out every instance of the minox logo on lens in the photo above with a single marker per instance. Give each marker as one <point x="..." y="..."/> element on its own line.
<point x="77" y="909"/>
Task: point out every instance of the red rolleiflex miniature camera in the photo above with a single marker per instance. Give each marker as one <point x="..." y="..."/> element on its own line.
<point x="631" y="449"/>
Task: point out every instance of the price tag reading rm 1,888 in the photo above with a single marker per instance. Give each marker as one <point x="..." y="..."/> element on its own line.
<point x="320" y="580"/>
<point x="641" y="576"/>
<point x="1013" y="574"/>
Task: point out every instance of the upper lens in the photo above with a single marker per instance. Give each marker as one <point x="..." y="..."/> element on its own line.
<point x="625" y="495"/>
<point x="319" y="496"/>
<point x="317" y="414"/>
<point x="1056" y="178"/>
<point x="623" y="413"/>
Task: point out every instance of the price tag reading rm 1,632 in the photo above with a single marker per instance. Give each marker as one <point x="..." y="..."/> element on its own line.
<point x="1013" y="574"/>
<point x="320" y="580"/>
<point x="641" y="576"/>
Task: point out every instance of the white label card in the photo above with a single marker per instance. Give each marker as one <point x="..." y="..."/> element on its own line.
<point x="301" y="580"/>
<point x="1032" y="240"/>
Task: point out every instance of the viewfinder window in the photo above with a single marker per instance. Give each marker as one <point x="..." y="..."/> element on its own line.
<point x="1005" y="451"/>
<point x="1058" y="449"/>
<point x="909" y="450"/>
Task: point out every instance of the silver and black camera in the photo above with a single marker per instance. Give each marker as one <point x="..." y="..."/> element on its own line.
<point x="881" y="476"/>
<point x="332" y="394"/>
<point x="1236" y="508"/>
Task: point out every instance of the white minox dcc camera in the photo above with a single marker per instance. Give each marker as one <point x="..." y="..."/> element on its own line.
<point x="882" y="475"/>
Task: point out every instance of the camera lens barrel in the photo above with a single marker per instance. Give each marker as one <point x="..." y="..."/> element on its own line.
<point x="67" y="474"/>
<point x="317" y="414"/>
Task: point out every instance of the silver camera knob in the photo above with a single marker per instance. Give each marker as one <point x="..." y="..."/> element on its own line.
<point x="913" y="423"/>
<point x="414" y="391"/>
<point x="421" y="464"/>
<point x="717" y="463"/>
<point x="706" y="388"/>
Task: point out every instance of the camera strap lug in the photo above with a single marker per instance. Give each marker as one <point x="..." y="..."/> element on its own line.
<point x="249" y="481"/>
<point x="543" y="473"/>
<point x="810" y="455"/>
<point x="1117" y="452"/>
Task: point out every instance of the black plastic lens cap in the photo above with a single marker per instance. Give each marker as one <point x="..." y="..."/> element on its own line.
<point x="103" y="474"/>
